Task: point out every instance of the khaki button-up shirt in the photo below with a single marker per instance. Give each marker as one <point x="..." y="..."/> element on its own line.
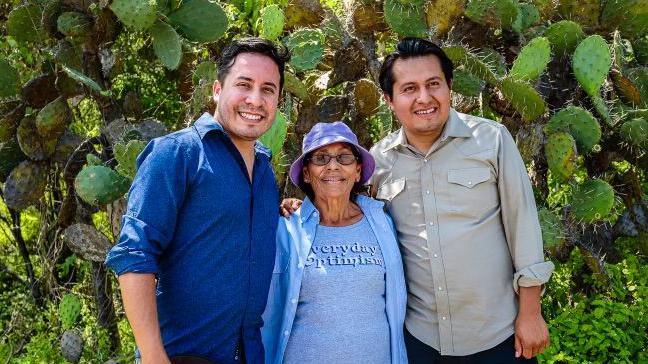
<point x="468" y="228"/>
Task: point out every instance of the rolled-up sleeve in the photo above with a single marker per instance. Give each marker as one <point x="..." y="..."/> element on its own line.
<point x="520" y="217"/>
<point x="154" y="199"/>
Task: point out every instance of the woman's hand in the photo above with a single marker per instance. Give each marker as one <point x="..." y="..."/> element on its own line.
<point x="288" y="206"/>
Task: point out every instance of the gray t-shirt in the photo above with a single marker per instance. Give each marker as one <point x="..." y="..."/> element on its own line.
<point x="341" y="314"/>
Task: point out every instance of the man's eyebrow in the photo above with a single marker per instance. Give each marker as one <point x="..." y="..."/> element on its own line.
<point x="245" y="78"/>
<point x="433" y="78"/>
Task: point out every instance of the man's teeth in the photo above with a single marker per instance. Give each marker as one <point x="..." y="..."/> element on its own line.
<point x="428" y="111"/>
<point x="250" y="116"/>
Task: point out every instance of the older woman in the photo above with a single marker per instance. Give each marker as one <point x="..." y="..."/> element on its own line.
<point x="338" y="292"/>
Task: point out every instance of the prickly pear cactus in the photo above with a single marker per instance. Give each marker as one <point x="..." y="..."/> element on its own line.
<point x="524" y="98"/>
<point x="578" y="122"/>
<point x="466" y="83"/>
<point x="492" y="13"/>
<point x="275" y="137"/>
<point x="166" y="44"/>
<point x="629" y="16"/>
<point x="306" y="47"/>
<point x="635" y="132"/>
<point x="75" y="25"/>
<point x="25" y="185"/>
<point x="442" y="14"/>
<point x="99" y="185"/>
<point x="86" y="241"/>
<point x="271" y="22"/>
<point x="126" y="155"/>
<point x="52" y="120"/>
<point x="592" y="201"/>
<point x="72" y="345"/>
<point x="366" y="97"/>
<point x="591" y="63"/>
<point x="36" y="147"/>
<point x="560" y="152"/>
<point x="528" y="15"/>
<point x="405" y="19"/>
<point x="460" y="56"/>
<point x="10" y="157"/>
<point x="24" y="23"/>
<point x="137" y="14"/>
<point x="295" y="86"/>
<point x="564" y="36"/>
<point x="532" y="60"/>
<point x="69" y="310"/>
<point x="200" y="20"/>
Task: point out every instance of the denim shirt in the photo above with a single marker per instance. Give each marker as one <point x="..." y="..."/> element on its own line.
<point x="295" y="236"/>
<point x="197" y="221"/>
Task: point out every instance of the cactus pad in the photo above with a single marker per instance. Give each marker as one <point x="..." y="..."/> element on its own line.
<point x="69" y="310"/>
<point x="635" y="132"/>
<point x="366" y="96"/>
<point x="564" y="36"/>
<point x="25" y="185"/>
<point x="24" y="24"/>
<point x="524" y="99"/>
<point x="442" y="14"/>
<point x="528" y="15"/>
<point x="74" y="25"/>
<point x="295" y="86"/>
<point x="640" y="49"/>
<point x="532" y="60"/>
<point x="306" y="48"/>
<point x="72" y="345"/>
<point x="39" y="91"/>
<point x="137" y="14"/>
<point x="492" y="13"/>
<point x="629" y="16"/>
<point x="460" y="56"/>
<point x="87" y="242"/>
<point x="579" y="123"/>
<point x="9" y="79"/>
<point x="585" y="12"/>
<point x="32" y="144"/>
<point x="166" y="44"/>
<point x="271" y="21"/>
<point x="591" y="63"/>
<point x="466" y="83"/>
<point x="560" y="152"/>
<point x="126" y="155"/>
<point x="553" y="231"/>
<point x="146" y="129"/>
<point x="206" y="70"/>
<point x="639" y="77"/>
<point x="199" y="20"/>
<point x="52" y="120"/>
<point x="405" y="19"/>
<point x="592" y="200"/>
<point x="99" y="185"/>
<point x="274" y="138"/>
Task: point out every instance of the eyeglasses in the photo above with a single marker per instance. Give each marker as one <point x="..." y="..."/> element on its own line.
<point x="324" y="159"/>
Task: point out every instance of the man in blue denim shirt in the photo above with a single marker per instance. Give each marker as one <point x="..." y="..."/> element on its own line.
<point x="197" y="245"/>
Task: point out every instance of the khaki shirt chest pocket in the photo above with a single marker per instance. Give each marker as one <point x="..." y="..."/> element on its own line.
<point x="393" y="194"/>
<point x="472" y="192"/>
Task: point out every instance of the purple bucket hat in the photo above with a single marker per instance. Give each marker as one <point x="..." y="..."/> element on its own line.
<point x="328" y="133"/>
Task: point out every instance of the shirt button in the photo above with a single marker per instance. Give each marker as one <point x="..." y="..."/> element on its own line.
<point x="286" y="332"/>
<point x="424" y="160"/>
<point x="293" y="300"/>
<point x="300" y="265"/>
<point x="436" y="255"/>
<point x="440" y="288"/>
<point x="443" y="318"/>
<point x="469" y="182"/>
<point x="431" y="223"/>
<point x="427" y="192"/>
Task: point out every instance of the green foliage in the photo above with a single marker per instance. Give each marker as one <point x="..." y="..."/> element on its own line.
<point x="126" y="155"/>
<point x="306" y="47"/>
<point x="564" y="36"/>
<point x="591" y="63"/>
<point x="524" y="98"/>
<point x="460" y="56"/>
<point x="271" y="22"/>
<point x="592" y="200"/>
<point x="578" y="122"/>
<point x="99" y="185"/>
<point x="24" y="23"/>
<point x="74" y="24"/>
<point x="553" y="231"/>
<point x="405" y="19"/>
<point x="635" y="131"/>
<point x="528" y="15"/>
<point x="9" y="79"/>
<point x="629" y="16"/>
<point x="166" y="44"/>
<point x="69" y="310"/>
<point x="560" y="152"/>
<point x="274" y="138"/>
<point x="52" y="119"/>
<point x="200" y="20"/>
<point x="137" y="14"/>
<point x="492" y="13"/>
<point x="532" y="60"/>
<point x="466" y="83"/>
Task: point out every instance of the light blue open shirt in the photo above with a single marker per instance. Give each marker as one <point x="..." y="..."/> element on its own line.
<point x="295" y="236"/>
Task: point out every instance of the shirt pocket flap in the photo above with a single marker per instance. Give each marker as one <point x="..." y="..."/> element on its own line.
<point x="391" y="189"/>
<point x="468" y="177"/>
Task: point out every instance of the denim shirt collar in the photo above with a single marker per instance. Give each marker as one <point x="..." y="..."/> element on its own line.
<point x="206" y="123"/>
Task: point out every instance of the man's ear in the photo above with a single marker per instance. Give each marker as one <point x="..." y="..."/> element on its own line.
<point x="216" y="88"/>
<point x="388" y="100"/>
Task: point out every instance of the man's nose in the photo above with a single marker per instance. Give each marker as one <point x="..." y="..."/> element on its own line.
<point x="254" y="98"/>
<point x="424" y="96"/>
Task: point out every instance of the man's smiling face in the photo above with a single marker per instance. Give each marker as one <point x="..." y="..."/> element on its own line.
<point x="421" y="96"/>
<point x="248" y="96"/>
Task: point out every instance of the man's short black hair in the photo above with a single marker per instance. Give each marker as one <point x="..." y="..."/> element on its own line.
<point x="280" y="56"/>
<point x="408" y="48"/>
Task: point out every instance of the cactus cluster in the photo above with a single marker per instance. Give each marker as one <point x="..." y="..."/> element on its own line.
<point x="579" y="123"/>
<point x="100" y="185"/>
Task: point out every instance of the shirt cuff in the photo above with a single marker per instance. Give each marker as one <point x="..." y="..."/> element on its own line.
<point x="534" y="275"/>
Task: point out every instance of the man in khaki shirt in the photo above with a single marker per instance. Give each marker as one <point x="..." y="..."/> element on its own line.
<point x="466" y="218"/>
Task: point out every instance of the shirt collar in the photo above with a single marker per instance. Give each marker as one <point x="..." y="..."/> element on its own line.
<point x="206" y="123"/>
<point x="308" y="210"/>
<point x="455" y="127"/>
